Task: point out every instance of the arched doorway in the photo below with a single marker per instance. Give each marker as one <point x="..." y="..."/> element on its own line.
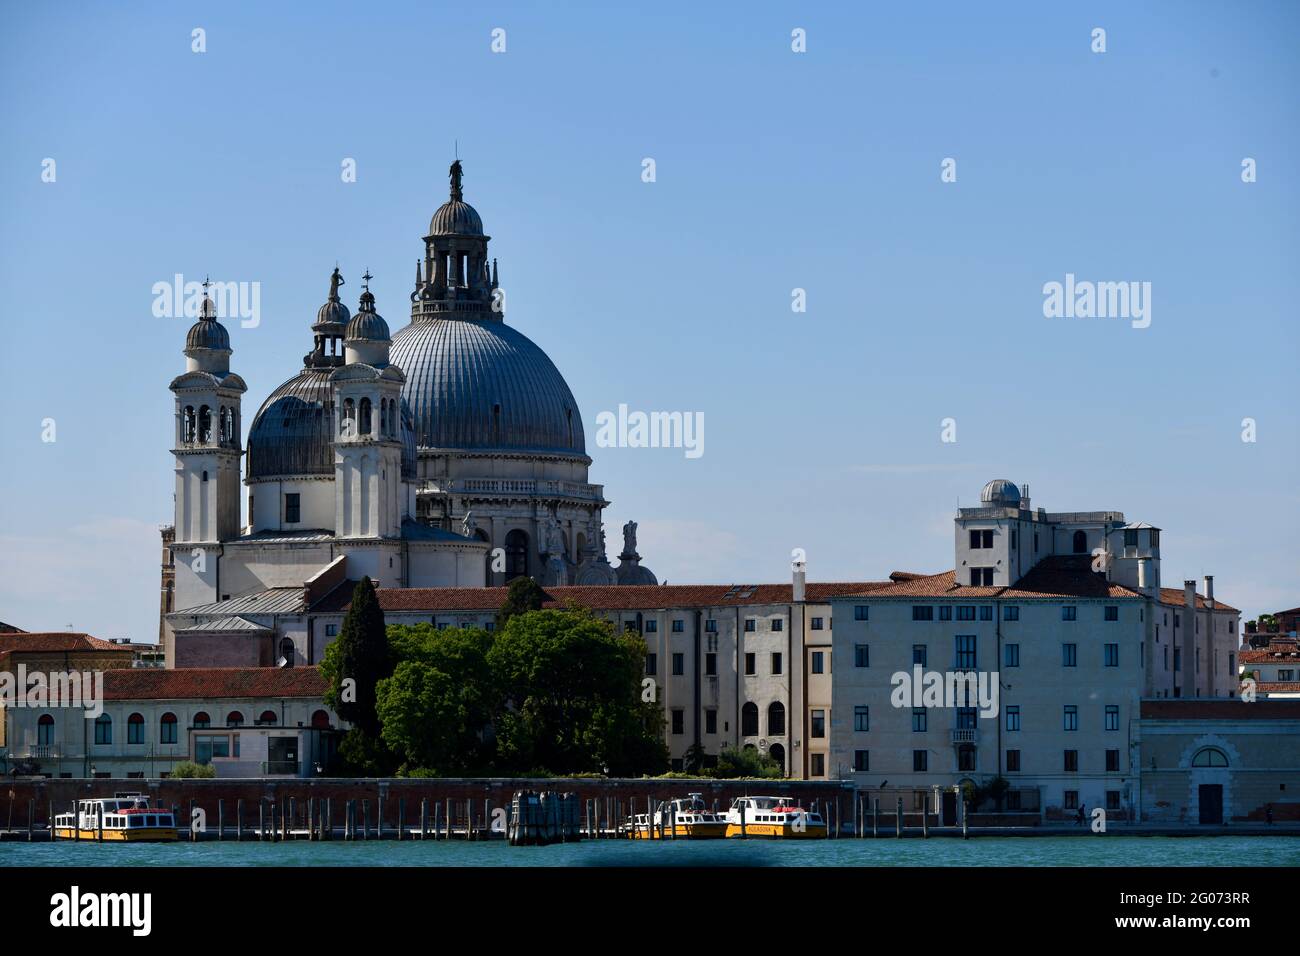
<point x="777" y="753"/>
<point x="1080" y="542"/>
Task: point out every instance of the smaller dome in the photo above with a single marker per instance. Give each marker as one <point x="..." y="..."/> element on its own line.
<point x="456" y="218"/>
<point x="332" y="313"/>
<point x="207" y="332"/>
<point x="999" y="491"/>
<point x="367" y="325"/>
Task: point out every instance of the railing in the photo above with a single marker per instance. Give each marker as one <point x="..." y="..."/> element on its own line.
<point x="964" y="735"/>
<point x="511" y="486"/>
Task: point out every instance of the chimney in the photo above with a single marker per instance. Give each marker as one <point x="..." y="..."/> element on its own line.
<point x="1142" y="574"/>
<point x="1209" y="591"/>
<point x="798" y="582"/>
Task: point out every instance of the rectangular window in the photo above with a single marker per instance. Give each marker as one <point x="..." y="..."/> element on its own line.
<point x="861" y="655"/>
<point x="1112" y="717"/>
<point x="981" y="577"/>
<point x="292" y="508"/>
<point x="331" y="630"/>
<point x="818" y="662"/>
<point x="778" y="624"/>
<point x="1011" y="613"/>
<point x="1071" y="761"/>
<point x="1112" y="761"/>
<point x="1112" y="800"/>
<point x="679" y="721"/>
<point x="1069" y="655"/>
<point x="751" y="664"/>
<point x="966" y="612"/>
<point x="919" y="720"/>
<point x="1130" y="538"/>
<point x="710" y="721"/>
<point x="1071" y="800"/>
<point x="945" y="612"/>
<point x="1015" y="539"/>
<point x="861" y="612"/>
<point x="986" y="612"/>
<point x="819" y="723"/>
<point x="922" y="612"/>
<point x="651" y="627"/>
<point x="1011" y="655"/>
<point x="651" y="664"/>
<point x="1013" y="761"/>
<point x="920" y="654"/>
<point x="711" y="665"/>
<point x="1286" y="674"/>
<point x="629" y="627"/>
<point x="817" y="765"/>
<point x="679" y="664"/>
<point x="861" y="761"/>
<point x="980" y="540"/>
<point x="966" y="758"/>
<point x="920" y="761"/>
<point x="1013" y="718"/>
<point x="817" y="624"/>
<point x="135" y="732"/>
<point x="679" y="625"/>
<point x="168" y="732"/>
<point x="776" y="663"/>
<point x="751" y="625"/>
<point x="710" y="626"/>
<point x="965" y="656"/>
<point x="1155" y="537"/>
<point x="1069" y="613"/>
<point x="1071" y="717"/>
<point x="1112" y="612"/>
<point x="1111" y="655"/>
<point x="861" y="719"/>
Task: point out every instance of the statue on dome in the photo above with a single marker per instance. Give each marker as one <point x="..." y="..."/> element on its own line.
<point x="336" y="280"/>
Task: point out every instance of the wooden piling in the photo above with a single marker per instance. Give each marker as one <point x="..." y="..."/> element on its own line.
<point x="424" y="818"/>
<point x="447" y="821"/>
<point x="221" y="819"/>
<point x="925" y="820"/>
<point x="99" y="823"/>
<point x="469" y="820"/>
<point x="875" y="817"/>
<point x="898" y="818"/>
<point x="51" y="821"/>
<point x="239" y="820"/>
<point x="965" y="812"/>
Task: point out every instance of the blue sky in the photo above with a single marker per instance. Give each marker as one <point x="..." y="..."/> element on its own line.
<point x="775" y="171"/>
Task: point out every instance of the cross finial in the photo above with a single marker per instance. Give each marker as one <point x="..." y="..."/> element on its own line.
<point x="206" y="283"/>
<point x="367" y="277"/>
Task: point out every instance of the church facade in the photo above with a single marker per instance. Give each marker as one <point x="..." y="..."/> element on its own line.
<point x="448" y="454"/>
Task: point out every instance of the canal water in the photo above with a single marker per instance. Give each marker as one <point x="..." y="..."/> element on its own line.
<point x="1101" y="850"/>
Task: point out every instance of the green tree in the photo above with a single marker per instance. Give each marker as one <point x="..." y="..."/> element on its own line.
<point x="187" y="769"/>
<point x="437" y="708"/>
<point x="361" y="655"/>
<point x="571" y="697"/>
<point x="747" y="762"/>
<point x="524" y="595"/>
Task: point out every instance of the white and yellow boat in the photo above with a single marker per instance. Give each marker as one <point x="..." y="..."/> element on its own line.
<point x="127" y="818"/>
<point x="773" y="818"/>
<point x="686" y="818"/>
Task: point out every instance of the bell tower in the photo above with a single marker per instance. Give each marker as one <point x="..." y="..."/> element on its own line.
<point x="207" y="449"/>
<point x="455" y="280"/>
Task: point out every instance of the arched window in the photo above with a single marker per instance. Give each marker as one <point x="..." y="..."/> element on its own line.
<point x="383" y="417"/>
<point x="205" y="424"/>
<point x="135" y="729"/>
<point x="187" y="424"/>
<point x="749" y="720"/>
<point x="364" y="425"/>
<point x="1210" y="757"/>
<point x="286" y="650"/>
<point x="201" y="719"/>
<point x="347" y="421"/>
<point x="268" y="717"/>
<point x="234" y="719"/>
<point x="320" y="720"/>
<point x="1080" y="542"/>
<point x="777" y="753"/>
<point x="516" y="554"/>
<point x="45" y="730"/>
<point x="776" y="719"/>
<point x="167" y="729"/>
<point x="103" y="729"/>
<point x="225" y="424"/>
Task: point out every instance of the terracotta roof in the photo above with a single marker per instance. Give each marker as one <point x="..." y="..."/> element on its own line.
<point x="604" y="598"/>
<point x="1059" y="576"/>
<point x="1277" y="687"/>
<point x="1171" y="709"/>
<point x="1174" y="598"/>
<point x="1271" y="655"/>
<point x="204" y="682"/>
<point x="56" y="642"/>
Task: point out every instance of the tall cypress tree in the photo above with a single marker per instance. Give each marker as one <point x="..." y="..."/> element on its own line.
<point x="359" y="653"/>
<point x="524" y="595"/>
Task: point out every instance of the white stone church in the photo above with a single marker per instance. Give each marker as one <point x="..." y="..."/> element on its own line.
<point x="451" y="454"/>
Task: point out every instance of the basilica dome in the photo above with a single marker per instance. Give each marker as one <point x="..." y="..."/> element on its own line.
<point x="481" y="384"/>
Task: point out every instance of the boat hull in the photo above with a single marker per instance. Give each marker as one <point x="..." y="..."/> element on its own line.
<point x="135" y="835"/>
<point x="683" y="831"/>
<point x="778" y="831"/>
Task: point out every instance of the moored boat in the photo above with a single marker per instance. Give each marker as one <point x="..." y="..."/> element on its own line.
<point x="126" y="818"/>
<point x="774" y="818"/>
<point x="685" y="818"/>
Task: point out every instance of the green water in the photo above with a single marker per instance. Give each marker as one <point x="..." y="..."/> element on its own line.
<point x="1102" y="850"/>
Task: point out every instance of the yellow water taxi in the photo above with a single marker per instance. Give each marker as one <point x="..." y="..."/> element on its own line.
<point x="686" y="818"/>
<point x="127" y="818"/>
<point x="773" y="818"/>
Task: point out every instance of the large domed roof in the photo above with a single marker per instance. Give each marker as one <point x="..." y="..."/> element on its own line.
<point x="481" y="384"/>
<point x="292" y="433"/>
<point x="456" y="218"/>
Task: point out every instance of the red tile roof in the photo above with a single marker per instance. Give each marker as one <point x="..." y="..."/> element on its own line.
<point x="55" y="642"/>
<point x="1193" y="709"/>
<point x="1174" y="598"/>
<point x="611" y="598"/>
<point x="1277" y="687"/>
<point x="1059" y="576"/>
<point x="205" y="682"/>
<point x="1273" y="654"/>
